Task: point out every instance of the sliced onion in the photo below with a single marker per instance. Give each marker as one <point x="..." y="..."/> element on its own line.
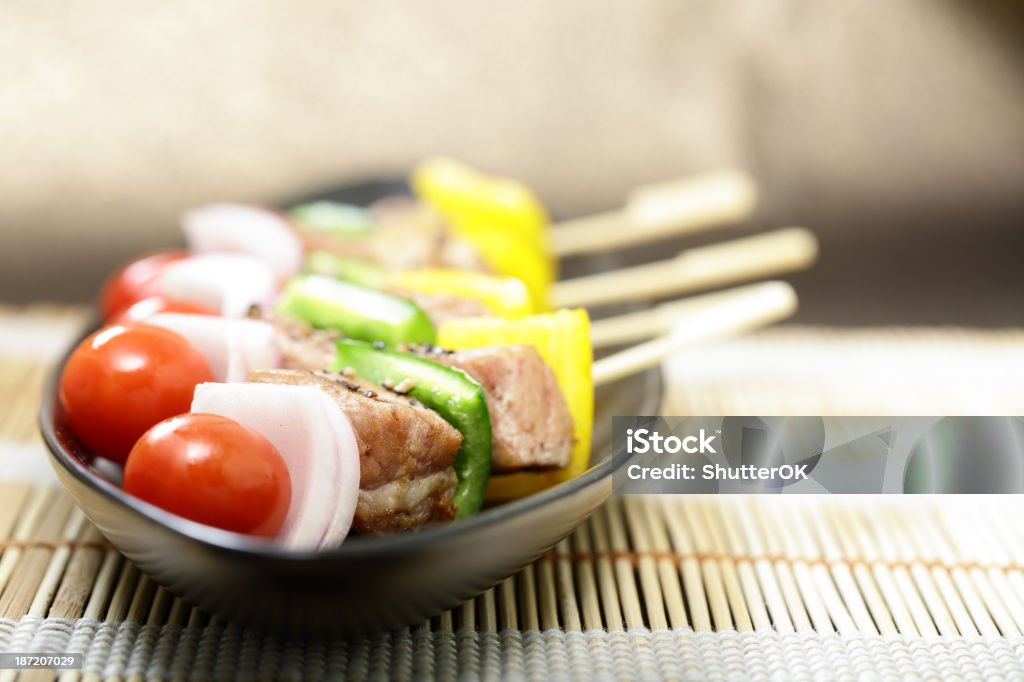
<point x="226" y="282"/>
<point x="237" y="228"/>
<point x="233" y="346"/>
<point x="316" y="440"/>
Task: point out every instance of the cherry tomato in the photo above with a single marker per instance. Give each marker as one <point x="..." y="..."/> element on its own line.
<point x="135" y="281"/>
<point x="140" y="310"/>
<point x="122" y="380"/>
<point x="213" y="470"/>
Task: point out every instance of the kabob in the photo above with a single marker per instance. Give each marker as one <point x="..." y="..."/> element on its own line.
<point x="466" y="234"/>
<point x="381" y="407"/>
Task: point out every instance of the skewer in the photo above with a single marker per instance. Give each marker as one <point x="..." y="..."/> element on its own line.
<point x="676" y="207"/>
<point x="646" y="324"/>
<point x="704" y="267"/>
<point x="737" y="314"/>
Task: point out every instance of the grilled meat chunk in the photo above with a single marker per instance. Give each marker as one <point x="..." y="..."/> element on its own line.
<point x="406" y="235"/>
<point x="442" y="307"/>
<point x="530" y="419"/>
<point x="406" y="452"/>
<point x="301" y="346"/>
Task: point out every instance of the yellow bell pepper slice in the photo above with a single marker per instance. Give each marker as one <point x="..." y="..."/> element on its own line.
<point x="506" y="297"/>
<point x="500" y="216"/>
<point x="562" y="338"/>
<point x="456" y="187"/>
<point x="507" y="254"/>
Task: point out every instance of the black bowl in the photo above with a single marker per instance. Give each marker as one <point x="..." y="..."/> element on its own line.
<point x="367" y="584"/>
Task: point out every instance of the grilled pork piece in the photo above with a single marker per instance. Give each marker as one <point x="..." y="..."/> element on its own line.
<point x="301" y="346"/>
<point x="442" y="307"/>
<point x="406" y="235"/>
<point x="406" y="452"/>
<point x="530" y="420"/>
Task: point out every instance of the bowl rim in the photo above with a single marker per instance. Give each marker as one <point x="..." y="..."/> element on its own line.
<point x="356" y="548"/>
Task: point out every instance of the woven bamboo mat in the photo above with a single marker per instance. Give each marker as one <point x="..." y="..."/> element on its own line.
<point x="651" y="587"/>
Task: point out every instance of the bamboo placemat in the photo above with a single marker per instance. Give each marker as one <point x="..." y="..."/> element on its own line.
<point x="784" y="587"/>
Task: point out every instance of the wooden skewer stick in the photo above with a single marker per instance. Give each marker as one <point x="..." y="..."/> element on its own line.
<point x="659" y="320"/>
<point x="757" y="307"/>
<point x="677" y="207"/>
<point x="705" y="267"/>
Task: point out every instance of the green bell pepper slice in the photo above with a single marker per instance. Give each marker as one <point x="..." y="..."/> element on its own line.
<point x="357" y="312"/>
<point x="332" y="217"/>
<point x="450" y="392"/>
<point x="352" y="270"/>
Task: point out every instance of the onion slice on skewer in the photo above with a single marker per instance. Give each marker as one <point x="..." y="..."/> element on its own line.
<point x="229" y="283"/>
<point x="316" y="440"/>
<point x="233" y="347"/>
<point x="237" y="228"/>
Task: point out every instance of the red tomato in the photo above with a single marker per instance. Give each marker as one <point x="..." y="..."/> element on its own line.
<point x="122" y="380"/>
<point x="135" y="281"/>
<point x="139" y="311"/>
<point x="213" y="470"/>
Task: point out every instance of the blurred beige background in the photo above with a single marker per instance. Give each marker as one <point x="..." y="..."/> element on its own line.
<point x="895" y="129"/>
